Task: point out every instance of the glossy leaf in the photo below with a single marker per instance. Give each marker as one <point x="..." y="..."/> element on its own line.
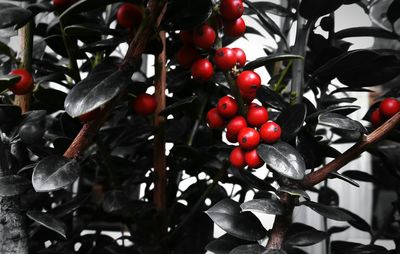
<point x="12" y="15"/>
<point x="270" y="98"/>
<point x="244" y="225"/>
<point x="329" y="212"/>
<point x="359" y="176"/>
<point x="48" y="221"/>
<point x="225" y="244"/>
<point x="291" y="120"/>
<point x="303" y="235"/>
<point x="283" y="159"/>
<point x="341" y="122"/>
<point x="265" y="60"/>
<point x="70" y="206"/>
<point x="95" y="91"/>
<point x="54" y="172"/>
<point x="249" y="249"/>
<point x="8" y="80"/>
<point x="13" y="185"/>
<point x="294" y="192"/>
<point x="267" y="206"/>
<point x="178" y="106"/>
<point x="357" y="222"/>
<point x="344" y="178"/>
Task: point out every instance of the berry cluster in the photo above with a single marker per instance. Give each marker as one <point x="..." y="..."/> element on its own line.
<point x="387" y="108"/>
<point x="248" y="132"/>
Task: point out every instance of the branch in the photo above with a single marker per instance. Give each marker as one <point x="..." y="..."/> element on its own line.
<point x="318" y="176"/>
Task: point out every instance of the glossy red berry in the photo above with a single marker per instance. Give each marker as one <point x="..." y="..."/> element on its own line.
<point x="248" y="97"/>
<point x="63" y="4"/>
<point x="231" y="9"/>
<point x="90" y="116"/>
<point x="248" y="82"/>
<point x="376" y="118"/>
<point x="204" y="37"/>
<point x="235" y="28"/>
<point x="186" y="56"/>
<point x="240" y="56"/>
<point x="389" y="107"/>
<point x="202" y="70"/>
<point x="252" y="159"/>
<point x="144" y="104"/>
<point x="270" y="132"/>
<point x="225" y="59"/>
<point x="186" y="37"/>
<point x="24" y="85"/>
<point x="214" y="119"/>
<point x="248" y="138"/>
<point x="235" y="125"/>
<point x="231" y="137"/>
<point x="257" y="116"/>
<point x="227" y="107"/>
<point x="129" y="15"/>
<point x="237" y="158"/>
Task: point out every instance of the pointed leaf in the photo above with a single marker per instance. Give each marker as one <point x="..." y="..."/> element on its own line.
<point x="341" y="122"/>
<point x="249" y="249"/>
<point x="294" y="192"/>
<point x="70" y="206"/>
<point x="359" y="176"/>
<point x="48" y="221"/>
<point x="344" y="178"/>
<point x="225" y="244"/>
<point x="267" y="206"/>
<point x="365" y="31"/>
<point x="178" y="106"/>
<point x="54" y="172"/>
<point x="330" y="212"/>
<point x="303" y="235"/>
<point x="291" y="120"/>
<point x="268" y="97"/>
<point x="284" y="159"/>
<point x="262" y="61"/>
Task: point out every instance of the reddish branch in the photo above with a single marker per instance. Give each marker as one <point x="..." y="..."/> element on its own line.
<point x="137" y="46"/>
<point x="160" y="174"/>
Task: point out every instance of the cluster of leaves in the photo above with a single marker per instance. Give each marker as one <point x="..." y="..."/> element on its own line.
<point x="110" y="173"/>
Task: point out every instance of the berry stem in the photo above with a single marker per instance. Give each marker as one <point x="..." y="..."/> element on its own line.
<point x="280" y="86"/>
<point x="236" y="93"/>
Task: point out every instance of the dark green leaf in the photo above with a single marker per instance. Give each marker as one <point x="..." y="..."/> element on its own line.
<point x="313" y="9"/>
<point x="54" y="172"/>
<point x="357" y="222"/>
<point x="330" y="212"/>
<point x="341" y="122"/>
<point x="283" y="159"/>
<point x="303" y="235"/>
<point x="13" y="185"/>
<point x="291" y="120"/>
<point x="268" y="97"/>
<point x="262" y="61"/>
<point x="244" y="225"/>
<point x="12" y="15"/>
<point x="95" y="91"/>
<point x="178" y="106"/>
<point x="267" y="206"/>
<point x="249" y="249"/>
<point x="359" y="176"/>
<point x="48" y="221"/>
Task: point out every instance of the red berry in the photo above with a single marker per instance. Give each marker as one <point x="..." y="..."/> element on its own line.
<point x="144" y="104"/>
<point x="231" y="9"/>
<point x="248" y="97"/>
<point x="186" y="56"/>
<point x="270" y="132"/>
<point x="90" y="116"/>
<point x="25" y="84"/>
<point x="214" y="119"/>
<point x="240" y="56"/>
<point x="186" y="37"/>
<point x="202" y="70"/>
<point x="248" y="81"/>
<point x="235" y="125"/>
<point x="248" y="138"/>
<point x="389" y="107"/>
<point x="235" y="28"/>
<point x="257" y="116"/>
<point x="204" y="36"/>
<point x="237" y="158"/>
<point x="225" y="58"/>
<point x="253" y="160"/>
<point x="231" y="137"/>
<point x="129" y="15"/>
<point x="227" y="107"/>
<point x="376" y="118"/>
<point x="63" y="4"/>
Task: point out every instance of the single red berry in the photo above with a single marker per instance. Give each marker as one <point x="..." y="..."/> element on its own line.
<point x="376" y="118"/>
<point x="25" y="84"/>
<point x="248" y="138"/>
<point x="257" y="116"/>
<point x="227" y="107"/>
<point x="270" y="132"/>
<point x="186" y="37"/>
<point x="231" y="137"/>
<point x="235" y="125"/>
<point x="237" y="158"/>
<point x="252" y="159"/>
<point x="186" y="56"/>
<point x="240" y="56"/>
<point x="235" y="28"/>
<point x="231" y="9"/>
<point x="389" y="107"/>
<point x="248" y="97"/>
<point x="214" y="119"/>
<point x="144" y="104"/>
<point x="90" y="116"/>
<point x="129" y="15"/>
<point x="63" y="4"/>
<point x="248" y="81"/>
<point x="225" y="59"/>
<point x="204" y="36"/>
<point x="202" y="70"/>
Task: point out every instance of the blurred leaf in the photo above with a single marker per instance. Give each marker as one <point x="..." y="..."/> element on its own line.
<point x="70" y="206"/>
<point x="393" y="12"/>
<point x="283" y="159"/>
<point x="13" y="185"/>
<point x="54" y="172"/>
<point x="114" y="200"/>
<point x="249" y="249"/>
<point x="178" y="106"/>
<point x="244" y="225"/>
<point x="313" y="9"/>
<point x="8" y="80"/>
<point x="224" y="244"/>
<point x="359" y="176"/>
<point x="365" y="31"/>
<point x="48" y="221"/>
<point x="267" y="206"/>
<point x="12" y="15"/>
<point x="294" y="192"/>
<point x="262" y="61"/>
<point x="272" y="8"/>
<point x="85" y="6"/>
